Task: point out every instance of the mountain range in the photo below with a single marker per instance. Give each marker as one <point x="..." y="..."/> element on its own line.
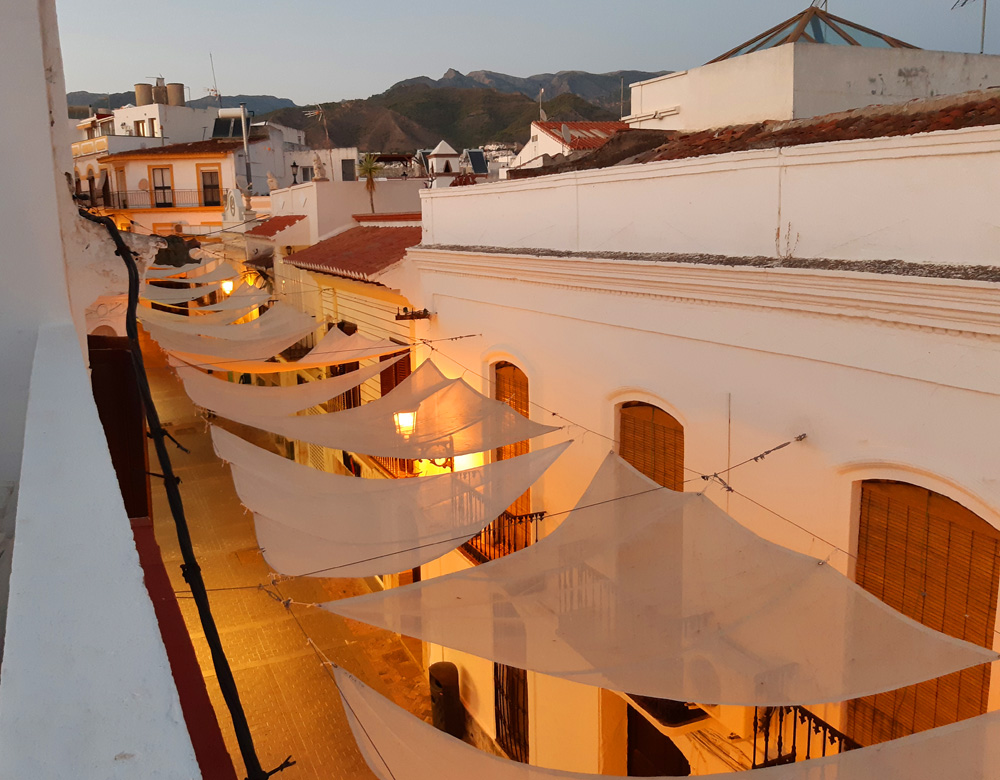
<point x="467" y="110"/>
<point x="603" y="89"/>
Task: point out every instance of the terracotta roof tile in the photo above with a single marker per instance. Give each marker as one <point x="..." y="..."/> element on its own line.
<point x="358" y="253"/>
<point x="271" y="227"/>
<point x="583" y="135"/>
<point x="975" y="109"/>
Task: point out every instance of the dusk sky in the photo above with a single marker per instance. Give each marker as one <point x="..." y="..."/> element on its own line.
<point x="312" y="50"/>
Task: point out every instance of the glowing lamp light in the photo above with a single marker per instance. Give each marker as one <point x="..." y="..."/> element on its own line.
<point x="405" y="423"/>
<point x="227" y="286"/>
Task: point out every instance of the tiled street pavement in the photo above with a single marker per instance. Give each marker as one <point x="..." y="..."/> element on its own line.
<point x="290" y="700"/>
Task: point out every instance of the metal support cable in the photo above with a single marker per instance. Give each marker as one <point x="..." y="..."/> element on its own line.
<point x="190" y="568"/>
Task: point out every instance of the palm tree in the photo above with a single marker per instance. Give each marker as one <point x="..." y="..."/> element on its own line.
<point x="369" y="168"/>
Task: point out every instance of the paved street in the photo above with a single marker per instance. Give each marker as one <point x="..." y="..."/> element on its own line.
<point x="290" y="700"/>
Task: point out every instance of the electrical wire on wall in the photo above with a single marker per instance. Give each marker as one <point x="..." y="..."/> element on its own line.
<point x="190" y="568"/>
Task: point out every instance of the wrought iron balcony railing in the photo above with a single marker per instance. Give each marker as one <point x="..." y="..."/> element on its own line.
<point x="160" y="198"/>
<point x="508" y="533"/>
<point x="784" y="735"/>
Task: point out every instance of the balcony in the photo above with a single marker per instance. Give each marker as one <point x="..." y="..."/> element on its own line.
<point x="161" y="199"/>
<point x="508" y="533"/>
<point x="784" y="735"/>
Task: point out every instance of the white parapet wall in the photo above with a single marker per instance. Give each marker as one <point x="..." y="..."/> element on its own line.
<point x="86" y="690"/>
<point x="881" y="199"/>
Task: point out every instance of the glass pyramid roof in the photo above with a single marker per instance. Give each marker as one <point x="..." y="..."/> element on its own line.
<point x="815" y="25"/>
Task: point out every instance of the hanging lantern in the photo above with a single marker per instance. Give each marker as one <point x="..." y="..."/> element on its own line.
<point x="405" y="423"/>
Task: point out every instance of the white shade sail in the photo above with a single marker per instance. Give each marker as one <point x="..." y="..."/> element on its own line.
<point x="268" y="343"/>
<point x="335" y="348"/>
<point x="278" y="321"/>
<point x="311" y="521"/>
<point x="222" y="272"/>
<point x="244" y="297"/>
<point x="230" y="399"/>
<point x="171" y="295"/>
<point x="398" y="746"/>
<point x="658" y="593"/>
<point x="448" y="418"/>
<point x="193" y="323"/>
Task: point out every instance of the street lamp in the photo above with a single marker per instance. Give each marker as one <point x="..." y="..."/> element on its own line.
<point x="405" y="423"/>
<point x="295" y="172"/>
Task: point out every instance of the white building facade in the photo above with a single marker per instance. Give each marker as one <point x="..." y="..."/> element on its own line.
<point x="837" y="290"/>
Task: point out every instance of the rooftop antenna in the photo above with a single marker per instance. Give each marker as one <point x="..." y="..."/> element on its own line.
<point x="982" y="37"/>
<point x="214" y="91"/>
<point x="621" y="102"/>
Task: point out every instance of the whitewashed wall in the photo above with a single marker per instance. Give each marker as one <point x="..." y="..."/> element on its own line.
<point x="331" y="205"/>
<point x="923" y="198"/>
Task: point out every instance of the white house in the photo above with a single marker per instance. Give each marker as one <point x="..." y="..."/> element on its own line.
<point x="814" y="63"/>
<point x="549" y="139"/>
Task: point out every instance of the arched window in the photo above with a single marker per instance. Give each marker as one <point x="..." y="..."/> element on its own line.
<point x="653" y="442"/>
<point x="936" y="562"/>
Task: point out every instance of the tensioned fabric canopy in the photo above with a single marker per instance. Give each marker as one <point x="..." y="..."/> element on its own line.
<point x="450" y="418"/>
<point x="170" y="295"/>
<point x="333" y="349"/>
<point x="268" y="343"/>
<point x="279" y="320"/>
<point x="245" y="296"/>
<point x="193" y="323"/>
<point x="222" y="272"/>
<point x="658" y="593"/>
<point x="398" y="746"/>
<point x="310" y="521"/>
<point x="230" y="399"/>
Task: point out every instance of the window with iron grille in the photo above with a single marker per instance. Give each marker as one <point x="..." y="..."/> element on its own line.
<point x="510" y="700"/>
<point x="652" y="441"/>
<point x="936" y="562"/>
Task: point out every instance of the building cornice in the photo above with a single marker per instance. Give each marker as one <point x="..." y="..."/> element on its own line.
<point x="956" y="307"/>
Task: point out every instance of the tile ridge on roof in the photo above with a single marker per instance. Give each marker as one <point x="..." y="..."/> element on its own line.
<point x="977" y="108"/>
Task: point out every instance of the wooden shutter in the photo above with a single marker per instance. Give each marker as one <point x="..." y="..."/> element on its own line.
<point x="395" y="374"/>
<point x="936" y="562"/>
<point x="512" y="389"/>
<point x="653" y="442"/>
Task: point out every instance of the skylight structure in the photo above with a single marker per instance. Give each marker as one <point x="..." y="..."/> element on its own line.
<point x="814" y="25"/>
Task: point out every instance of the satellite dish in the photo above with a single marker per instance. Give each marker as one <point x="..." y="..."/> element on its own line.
<point x="544" y="116"/>
<point x="567" y="136"/>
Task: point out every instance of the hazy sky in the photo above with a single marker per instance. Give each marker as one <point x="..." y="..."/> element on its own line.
<point x="310" y="50"/>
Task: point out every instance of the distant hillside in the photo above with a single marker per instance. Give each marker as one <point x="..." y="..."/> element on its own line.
<point x="603" y="89"/>
<point x="417" y="116"/>
<point x="259" y="104"/>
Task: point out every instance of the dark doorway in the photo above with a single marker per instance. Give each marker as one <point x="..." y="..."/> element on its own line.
<point x="651" y="753"/>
